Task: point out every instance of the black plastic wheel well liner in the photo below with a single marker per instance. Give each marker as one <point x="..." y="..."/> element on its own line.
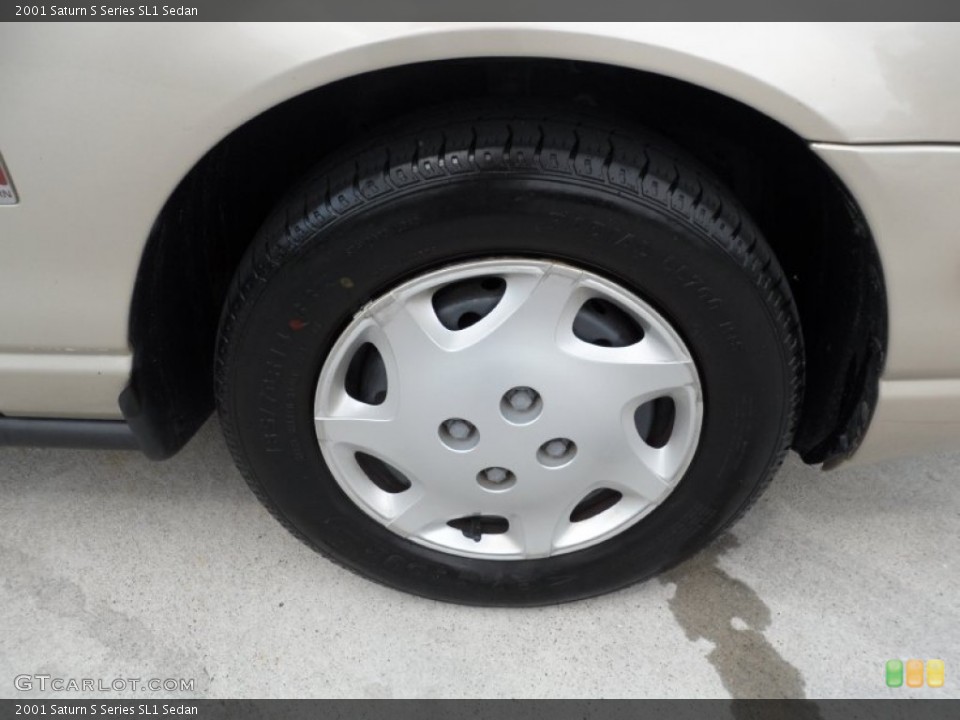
<point x="810" y="220"/>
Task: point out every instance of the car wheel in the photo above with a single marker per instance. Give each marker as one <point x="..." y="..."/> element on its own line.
<point x="509" y="358"/>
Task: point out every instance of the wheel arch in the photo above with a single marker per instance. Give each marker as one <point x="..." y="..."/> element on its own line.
<point x="810" y="219"/>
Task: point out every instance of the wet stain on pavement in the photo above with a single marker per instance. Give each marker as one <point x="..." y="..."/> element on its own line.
<point x="122" y="636"/>
<point x="712" y="605"/>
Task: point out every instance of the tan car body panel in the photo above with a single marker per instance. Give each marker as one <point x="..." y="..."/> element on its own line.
<point x="98" y="124"/>
<point x="909" y="195"/>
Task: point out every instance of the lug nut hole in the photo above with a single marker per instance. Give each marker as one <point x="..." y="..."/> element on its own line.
<point x="496" y="479"/>
<point x="459" y="434"/>
<point x="521" y="405"/>
<point x="557" y="452"/>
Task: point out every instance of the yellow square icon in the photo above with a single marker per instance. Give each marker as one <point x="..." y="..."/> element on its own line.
<point x="935" y="673"/>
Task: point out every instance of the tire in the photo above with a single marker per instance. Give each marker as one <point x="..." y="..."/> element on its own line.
<point x="460" y="188"/>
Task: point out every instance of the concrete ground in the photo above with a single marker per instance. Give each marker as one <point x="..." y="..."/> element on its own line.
<point x="112" y="566"/>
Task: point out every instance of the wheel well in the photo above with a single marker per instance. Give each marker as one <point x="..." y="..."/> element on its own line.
<point x="812" y="223"/>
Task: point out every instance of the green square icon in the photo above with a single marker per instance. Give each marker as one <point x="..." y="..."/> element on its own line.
<point x="894" y="673"/>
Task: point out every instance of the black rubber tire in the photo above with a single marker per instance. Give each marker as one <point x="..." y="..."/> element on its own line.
<point x="459" y="184"/>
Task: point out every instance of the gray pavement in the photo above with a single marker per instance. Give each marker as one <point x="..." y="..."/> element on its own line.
<point x="112" y="566"/>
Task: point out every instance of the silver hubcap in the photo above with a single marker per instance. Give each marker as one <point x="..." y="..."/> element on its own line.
<point x="508" y="409"/>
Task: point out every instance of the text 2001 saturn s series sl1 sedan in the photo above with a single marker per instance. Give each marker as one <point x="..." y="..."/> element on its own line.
<point x="503" y="314"/>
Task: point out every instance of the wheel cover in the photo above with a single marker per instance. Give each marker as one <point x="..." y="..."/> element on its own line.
<point x="538" y="426"/>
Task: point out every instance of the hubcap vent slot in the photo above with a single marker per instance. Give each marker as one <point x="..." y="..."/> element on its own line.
<point x="384" y="476"/>
<point x="601" y="322"/>
<point x="594" y="503"/>
<point x="654" y="421"/>
<point x="366" y="379"/>
<point x="466" y="302"/>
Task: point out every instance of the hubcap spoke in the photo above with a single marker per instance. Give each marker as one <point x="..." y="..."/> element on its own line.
<point x="543" y="522"/>
<point x="533" y="308"/>
<point x="619" y="376"/>
<point x="413" y="340"/>
<point x="425" y="512"/>
<point x="380" y="436"/>
<point x="539" y="530"/>
<point x="636" y="472"/>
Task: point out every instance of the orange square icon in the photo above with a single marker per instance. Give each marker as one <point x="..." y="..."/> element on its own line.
<point x="914" y="673"/>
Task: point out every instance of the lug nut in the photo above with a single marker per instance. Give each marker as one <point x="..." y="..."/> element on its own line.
<point x="458" y="434"/>
<point x="496" y="479"/>
<point x="521" y="405"/>
<point x="521" y="398"/>
<point x="556" y="452"/>
<point x="458" y="429"/>
<point x="557" y="448"/>
<point x="495" y="475"/>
